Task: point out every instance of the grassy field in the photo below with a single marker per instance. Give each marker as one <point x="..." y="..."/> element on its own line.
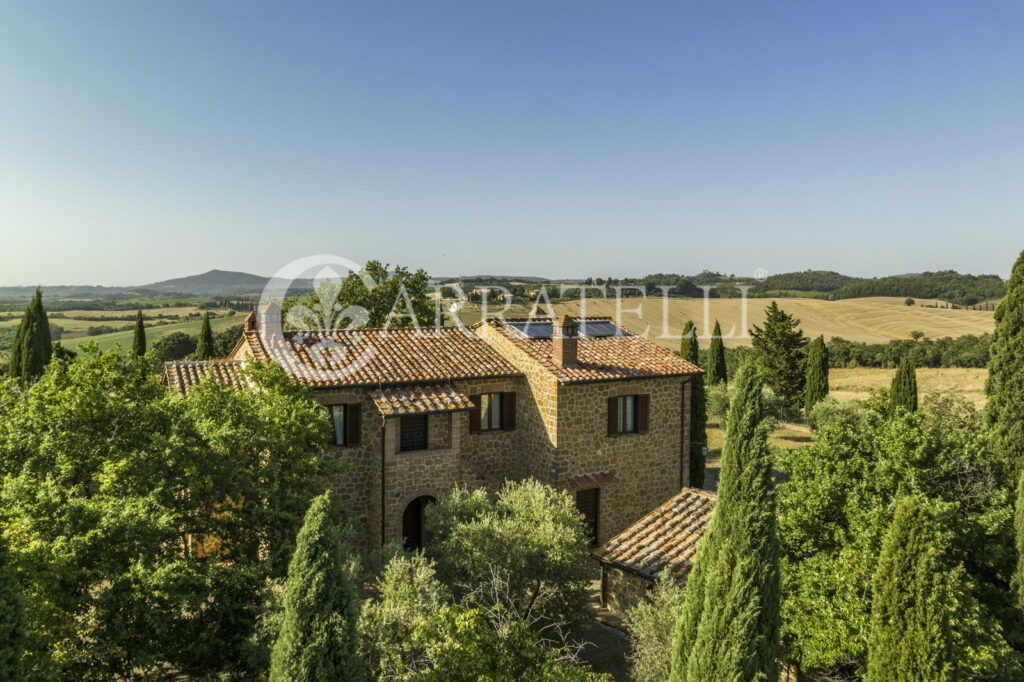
<point x="107" y="341"/>
<point x="845" y="384"/>
<point x="869" y="320"/>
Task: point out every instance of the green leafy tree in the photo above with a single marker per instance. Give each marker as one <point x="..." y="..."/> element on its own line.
<point x="729" y="627"/>
<point x="1004" y="412"/>
<point x="12" y="620"/>
<point x="816" y="385"/>
<point x="205" y="346"/>
<point x="651" y="623"/>
<point x="408" y="594"/>
<point x="175" y="346"/>
<point x="1017" y="583"/>
<point x="690" y="351"/>
<point x="33" y="344"/>
<point x="532" y="534"/>
<point x="925" y="622"/>
<point x="375" y="297"/>
<point x="462" y="645"/>
<point x="837" y="502"/>
<point x="717" y="372"/>
<point x="139" y="342"/>
<point x="156" y="519"/>
<point x="780" y="354"/>
<point x="903" y="393"/>
<point x="318" y="638"/>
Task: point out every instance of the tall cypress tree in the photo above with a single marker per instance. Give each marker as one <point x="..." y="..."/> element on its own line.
<point x="1004" y="413"/>
<point x="716" y="358"/>
<point x="139" y="342"/>
<point x="816" y="386"/>
<point x="204" y="347"/>
<point x="903" y="394"/>
<point x="318" y="638"/>
<point x="32" y="343"/>
<point x="780" y="354"/>
<point x="729" y="627"/>
<point x="690" y="350"/>
<point x="12" y="624"/>
<point x="924" y="618"/>
<point x="1017" y="582"/>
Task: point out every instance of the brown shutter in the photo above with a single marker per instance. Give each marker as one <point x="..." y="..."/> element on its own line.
<point x="353" y="424"/>
<point x="643" y="410"/>
<point x="613" y="416"/>
<point x="474" y="414"/>
<point x="508" y="410"/>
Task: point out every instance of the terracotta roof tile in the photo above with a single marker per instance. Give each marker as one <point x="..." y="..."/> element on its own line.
<point x="366" y="357"/>
<point x="664" y="539"/>
<point x="419" y="400"/>
<point x="184" y="374"/>
<point x="624" y="356"/>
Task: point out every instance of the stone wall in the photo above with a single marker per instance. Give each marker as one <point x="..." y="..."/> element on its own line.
<point x="622" y="590"/>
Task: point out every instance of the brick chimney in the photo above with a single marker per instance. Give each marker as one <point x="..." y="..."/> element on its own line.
<point x="564" y="339"/>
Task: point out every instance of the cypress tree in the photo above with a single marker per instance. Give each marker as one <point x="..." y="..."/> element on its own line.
<point x="1017" y="582"/>
<point x="816" y="385"/>
<point x="32" y="343"/>
<point x="1004" y="413"/>
<point x="716" y="358"/>
<point x="780" y="352"/>
<point x="318" y="639"/>
<point x="924" y="618"/>
<point x="903" y="394"/>
<point x="12" y="624"/>
<point x="204" y="347"/>
<point x="139" y="343"/>
<point x="729" y="626"/>
<point x="690" y="350"/>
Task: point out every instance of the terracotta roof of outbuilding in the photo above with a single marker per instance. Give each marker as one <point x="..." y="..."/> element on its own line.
<point x="607" y="358"/>
<point x="664" y="539"/>
<point x="184" y="374"/>
<point x="399" y="400"/>
<point x="368" y="357"/>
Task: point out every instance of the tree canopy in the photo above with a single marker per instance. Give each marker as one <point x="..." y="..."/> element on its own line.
<point x="33" y="344"/>
<point x="139" y="340"/>
<point x="779" y="346"/>
<point x="716" y="371"/>
<point x="816" y="385"/>
<point x="1004" y="413"/>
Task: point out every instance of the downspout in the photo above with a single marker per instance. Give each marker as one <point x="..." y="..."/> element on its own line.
<point x="383" y="486"/>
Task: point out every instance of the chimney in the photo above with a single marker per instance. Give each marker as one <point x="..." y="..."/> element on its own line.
<point x="270" y="318"/>
<point x="564" y="340"/>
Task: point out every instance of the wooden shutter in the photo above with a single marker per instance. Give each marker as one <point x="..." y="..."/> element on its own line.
<point x="613" y="416"/>
<point x="508" y="410"/>
<point x="643" y="410"/>
<point x="474" y="414"/>
<point x="353" y="424"/>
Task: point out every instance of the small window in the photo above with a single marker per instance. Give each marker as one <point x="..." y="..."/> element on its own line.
<point x="338" y="417"/>
<point x="490" y="412"/>
<point x="414" y="432"/>
<point x="627" y="414"/>
<point x="347" y="423"/>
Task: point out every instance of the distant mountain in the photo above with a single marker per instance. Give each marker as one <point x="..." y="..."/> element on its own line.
<point x="212" y="283"/>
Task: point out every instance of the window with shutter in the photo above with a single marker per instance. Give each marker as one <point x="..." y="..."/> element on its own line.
<point x="414" y="432"/>
<point x="628" y="414"/>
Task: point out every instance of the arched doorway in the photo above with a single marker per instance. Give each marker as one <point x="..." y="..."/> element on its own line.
<point x="414" y="530"/>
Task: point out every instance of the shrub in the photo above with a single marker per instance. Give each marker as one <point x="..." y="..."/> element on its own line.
<point x="650" y="624"/>
<point x="718" y="400"/>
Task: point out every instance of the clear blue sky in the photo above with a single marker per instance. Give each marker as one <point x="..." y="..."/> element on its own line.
<point x="145" y="140"/>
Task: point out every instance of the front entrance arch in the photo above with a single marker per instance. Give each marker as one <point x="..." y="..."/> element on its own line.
<point x="414" y="529"/>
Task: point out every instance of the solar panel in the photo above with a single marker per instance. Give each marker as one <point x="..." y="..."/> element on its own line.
<point x="594" y="329"/>
<point x="542" y="329"/>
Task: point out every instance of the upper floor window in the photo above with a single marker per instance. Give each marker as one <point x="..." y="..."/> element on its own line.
<point x="347" y="423"/>
<point x="628" y="414"/>
<point x="493" y="412"/>
<point x="414" y="432"/>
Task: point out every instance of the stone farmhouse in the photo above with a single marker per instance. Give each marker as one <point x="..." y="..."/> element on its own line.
<point x="578" y="403"/>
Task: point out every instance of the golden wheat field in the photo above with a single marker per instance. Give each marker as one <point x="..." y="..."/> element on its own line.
<point x="869" y="320"/>
<point x="845" y="384"/>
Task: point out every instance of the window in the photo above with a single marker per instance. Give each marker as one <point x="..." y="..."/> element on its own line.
<point x="347" y="423"/>
<point x="414" y="432"/>
<point x="628" y="414"/>
<point x="490" y="412"/>
<point x="588" y="503"/>
<point x="493" y="412"/>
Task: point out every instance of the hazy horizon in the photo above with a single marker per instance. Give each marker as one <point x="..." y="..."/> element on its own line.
<point x="144" y="142"/>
